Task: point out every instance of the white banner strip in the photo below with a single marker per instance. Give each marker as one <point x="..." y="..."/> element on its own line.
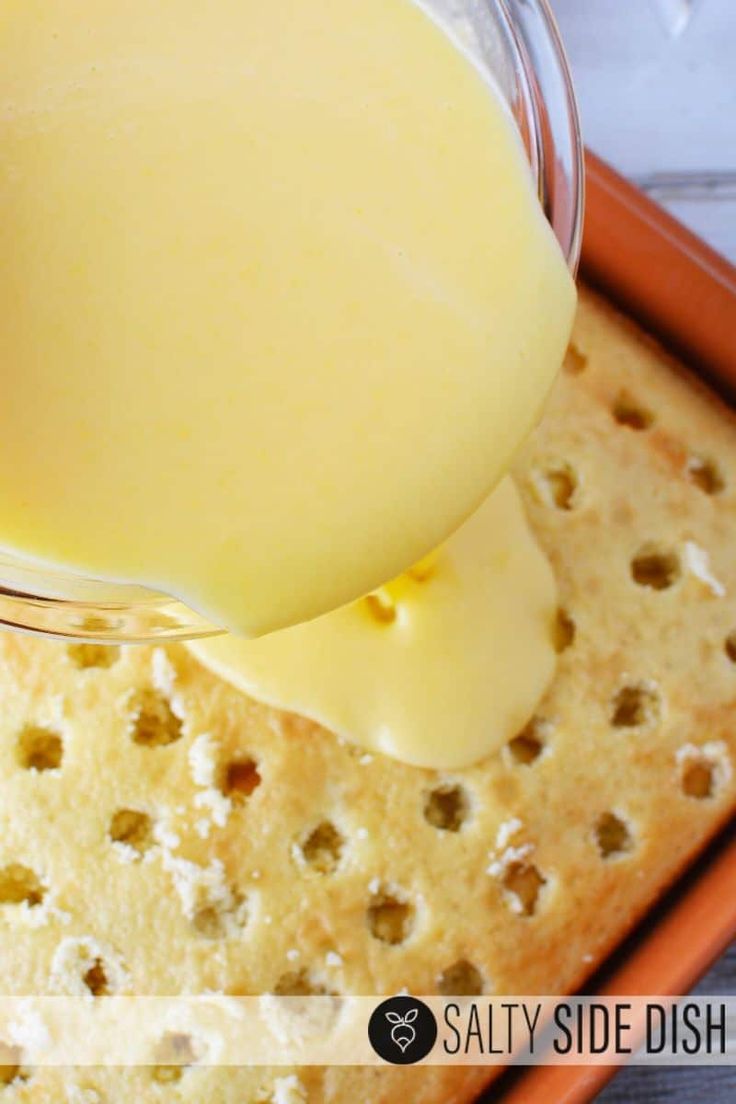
<point x="368" y="1031"/>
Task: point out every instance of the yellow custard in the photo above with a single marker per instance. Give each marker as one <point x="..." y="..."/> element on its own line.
<point x="439" y="667"/>
<point x="278" y="305"/>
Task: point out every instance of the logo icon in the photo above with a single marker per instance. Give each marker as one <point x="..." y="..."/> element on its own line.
<point x="405" y="1038"/>
<point x="402" y="1030"/>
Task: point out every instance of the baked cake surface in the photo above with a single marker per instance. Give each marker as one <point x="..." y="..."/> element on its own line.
<point x="160" y="833"/>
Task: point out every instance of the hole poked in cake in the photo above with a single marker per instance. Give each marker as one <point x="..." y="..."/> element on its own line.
<point x="381" y="607"/>
<point x="322" y="849"/>
<point x="223" y="919"/>
<point x="564" y="631"/>
<point x="447" y="807"/>
<point x="39" y="748"/>
<point x="628" y="411"/>
<point x="558" y="484"/>
<point x="705" y="474"/>
<point x="655" y="567"/>
<point x="390" y="915"/>
<point x="96" y="980"/>
<point x="523" y="884"/>
<point x="154" y="722"/>
<point x="19" y="885"/>
<point x="82" y="966"/>
<point x="166" y="1075"/>
<point x="174" y="1053"/>
<point x="613" y="836"/>
<point x="89" y="656"/>
<point x="636" y="705"/>
<point x="729" y="646"/>
<point x="240" y="778"/>
<point x="132" y="829"/>
<point x="527" y="746"/>
<point x="11" y="1058"/>
<point x="697" y="779"/>
<point x="301" y="983"/>
<point x="576" y="361"/>
<point x="703" y="769"/>
<point x="462" y="979"/>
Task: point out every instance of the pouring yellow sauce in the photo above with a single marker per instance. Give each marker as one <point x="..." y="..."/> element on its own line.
<point x="278" y="300"/>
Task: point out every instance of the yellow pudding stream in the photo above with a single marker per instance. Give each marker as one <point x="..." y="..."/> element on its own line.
<point x="438" y="668"/>
<point x="278" y="303"/>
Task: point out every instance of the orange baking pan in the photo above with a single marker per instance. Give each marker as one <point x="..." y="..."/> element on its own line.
<point x="684" y="293"/>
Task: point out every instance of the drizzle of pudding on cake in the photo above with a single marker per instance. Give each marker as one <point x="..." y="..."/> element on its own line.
<point x="438" y="668"/>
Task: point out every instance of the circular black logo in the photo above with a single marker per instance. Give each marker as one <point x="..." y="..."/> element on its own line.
<point x="402" y="1030"/>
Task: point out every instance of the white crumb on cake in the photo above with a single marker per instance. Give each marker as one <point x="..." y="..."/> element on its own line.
<point x="218" y="805"/>
<point x="75" y="1095"/>
<point x="289" y="1090"/>
<point x="361" y="833"/>
<point x="124" y="852"/>
<point x="198" y="886"/>
<point x="28" y="1030"/>
<point x="365" y="759"/>
<point x="38" y="916"/>
<point x="697" y="562"/>
<point x="505" y="854"/>
<point x="374" y="885"/>
<point x="74" y="957"/>
<point x="163" y="673"/>
<point x="164" y="835"/>
<point x="332" y="958"/>
<point x="292" y="955"/>
<point x="203" y="827"/>
<point x="506" y="832"/>
<point x="203" y="760"/>
<point x="499" y="864"/>
<point x="203" y="769"/>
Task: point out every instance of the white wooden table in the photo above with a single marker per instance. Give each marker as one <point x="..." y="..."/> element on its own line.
<point x="663" y="112"/>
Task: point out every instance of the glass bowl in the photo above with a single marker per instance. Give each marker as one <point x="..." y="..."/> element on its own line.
<point x="517" y="44"/>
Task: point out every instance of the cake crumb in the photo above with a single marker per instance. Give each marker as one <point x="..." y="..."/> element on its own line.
<point x="507" y="831"/>
<point x="504" y="852"/>
<point x="75" y="1095"/>
<point x="124" y="852"/>
<point x="28" y="1031"/>
<point x="219" y="806"/>
<point x="163" y="672"/>
<point x="696" y="560"/>
<point x="203" y="760"/>
<point x="499" y="864"/>
<point x="289" y="1090"/>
